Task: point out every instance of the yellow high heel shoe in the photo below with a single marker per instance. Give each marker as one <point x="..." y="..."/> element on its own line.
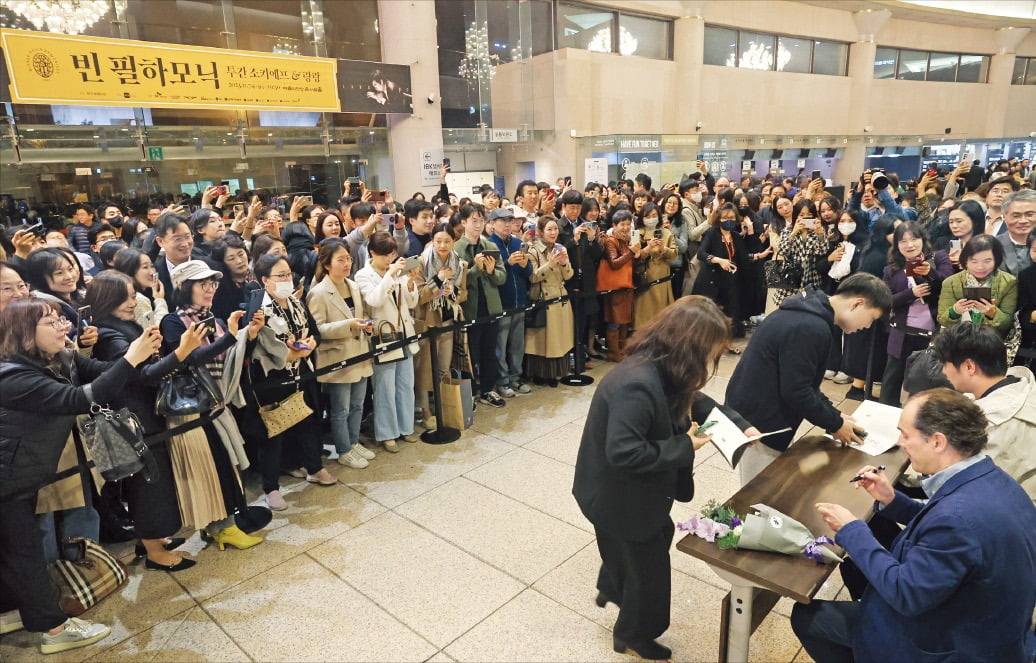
<point x="235" y="537"/>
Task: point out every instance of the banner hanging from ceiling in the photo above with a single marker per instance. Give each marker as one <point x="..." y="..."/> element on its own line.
<point x="50" y="68"/>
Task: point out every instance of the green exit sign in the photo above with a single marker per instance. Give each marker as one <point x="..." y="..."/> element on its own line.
<point x="154" y="153"/>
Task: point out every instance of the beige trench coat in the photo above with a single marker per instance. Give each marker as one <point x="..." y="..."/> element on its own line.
<point x="557" y="338"/>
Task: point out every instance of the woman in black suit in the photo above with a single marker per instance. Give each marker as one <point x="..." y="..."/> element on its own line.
<point x="636" y="455"/>
<point x="722" y="254"/>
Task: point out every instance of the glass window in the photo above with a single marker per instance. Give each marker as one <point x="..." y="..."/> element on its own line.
<point x="885" y="62"/>
<point x="1030" y="73"/>
<point x="755" y="51"/>
<point x="177" y="22"/>
<point x="586" y="28"/>
<point x="794" y="54"/>
<point x="829" y="57"/>
<point x="646" y="37"/>
<point x="912" y="65"/>
<point x="542" y="34"/>
<point x="720" y="46"/>
<point x="1018" y="77"/>
<point x="943" y="67"/>
<point x="271" y="27"/>
<point x="351" y="30"/>
<point x="973" y="69"/>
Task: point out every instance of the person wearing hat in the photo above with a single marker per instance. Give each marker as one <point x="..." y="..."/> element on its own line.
<point x="206" y="459"/>
<point x="514" y="294"/>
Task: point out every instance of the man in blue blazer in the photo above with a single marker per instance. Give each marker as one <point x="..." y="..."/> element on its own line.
<point x="960" y="581"/>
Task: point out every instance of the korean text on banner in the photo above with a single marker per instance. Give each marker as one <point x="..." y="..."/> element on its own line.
<point x="49" y="68"/>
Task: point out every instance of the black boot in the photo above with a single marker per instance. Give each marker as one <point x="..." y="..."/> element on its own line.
<point x="646" y="649"/>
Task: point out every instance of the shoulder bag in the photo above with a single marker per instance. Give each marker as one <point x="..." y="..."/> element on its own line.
<point x="86" y="574"/>
<point x="286" y="413"/>
<point x="381" y="339"/>
<point x="115" y="439"/>
<point x="190" y="390"/>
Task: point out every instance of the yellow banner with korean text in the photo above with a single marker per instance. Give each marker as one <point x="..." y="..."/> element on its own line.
<point x="49" y="68"/>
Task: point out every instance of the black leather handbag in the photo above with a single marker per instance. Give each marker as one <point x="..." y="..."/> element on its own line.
<point x="115" y="439"/>
<point x="188" y="391"/>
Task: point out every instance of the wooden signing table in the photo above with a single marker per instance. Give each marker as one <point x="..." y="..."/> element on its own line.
<point x="814" y="469"/>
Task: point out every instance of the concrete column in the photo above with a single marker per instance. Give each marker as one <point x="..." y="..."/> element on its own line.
<point x="861" y="75"/>
<point x="408" y="37"/>
<point x="1001" y="68"/>
<point x="688" y="37"/>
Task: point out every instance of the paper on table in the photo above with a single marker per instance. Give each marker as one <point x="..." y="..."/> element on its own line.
<point x="881" y="423"/>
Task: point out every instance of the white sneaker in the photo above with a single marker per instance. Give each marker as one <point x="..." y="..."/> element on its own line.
<point x="506" y="392"/>
<point x="10" y="621"/>
<point x="362" y="452"/>
<point x="841" y="378"/>
<point x="828" y="375"/>
<point x="77" y="633"/>
<point x="353" y="460"/>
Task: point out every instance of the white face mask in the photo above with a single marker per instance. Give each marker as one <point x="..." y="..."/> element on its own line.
<point x="847" y="228"/>
<point x="696" y="197"/>
<point x="283" y="289"/>
<point x="651" y="223"/>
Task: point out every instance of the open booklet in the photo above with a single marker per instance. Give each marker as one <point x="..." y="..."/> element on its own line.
<point x="881" y="423"/>
<point x="729" y="439"/>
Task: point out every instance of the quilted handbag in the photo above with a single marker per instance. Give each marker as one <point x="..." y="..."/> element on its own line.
<point x="279" y="417"/>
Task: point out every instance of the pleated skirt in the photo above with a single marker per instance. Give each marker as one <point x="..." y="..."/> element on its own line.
<point x="208" y="488"/>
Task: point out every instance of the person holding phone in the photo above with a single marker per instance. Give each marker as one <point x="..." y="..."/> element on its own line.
<point x="659" y="248"/>
<point x="150" y="293"/>
<point x="389" y="294"/>
<point x="207" y="460"/>
<point x="485" y="276"/>
<point x="547" y="347"/>
<point x="722" y="254"/>
<point x="336" y="304"/>
<point x="280" y="366"/>
<point x="981" y="258"/>
<point x="55" y="273"/>
<point x="439" y="302"/>
<point x="914" y="275"/>
<point x="803" y="243"/>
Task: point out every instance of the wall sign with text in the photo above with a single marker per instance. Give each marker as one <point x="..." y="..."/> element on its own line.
<point x="50" y="68"/>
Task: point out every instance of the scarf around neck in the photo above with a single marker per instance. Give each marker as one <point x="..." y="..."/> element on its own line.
<point x="192" y="314"/>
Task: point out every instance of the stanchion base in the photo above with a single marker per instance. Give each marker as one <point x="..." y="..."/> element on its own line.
<point x="440" y="436"/>
<point x="576" y="380"/>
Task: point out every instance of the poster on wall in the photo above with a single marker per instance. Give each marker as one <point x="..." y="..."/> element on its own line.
<point x="595" y="170"/>
<point x="374" y="87"/>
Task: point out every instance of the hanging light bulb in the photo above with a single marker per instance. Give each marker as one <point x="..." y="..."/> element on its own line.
<point x="65" y="16"/>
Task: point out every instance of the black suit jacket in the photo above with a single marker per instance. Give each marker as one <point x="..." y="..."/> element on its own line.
<point x="635" y="457"/>
<point x="167" y="281"/>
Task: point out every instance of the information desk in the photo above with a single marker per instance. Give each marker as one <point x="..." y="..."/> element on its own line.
<point x="814" y="469"/>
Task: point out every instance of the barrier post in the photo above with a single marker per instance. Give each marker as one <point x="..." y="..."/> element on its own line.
<point x="577" y="379"/>
<point x="441" y="434"/>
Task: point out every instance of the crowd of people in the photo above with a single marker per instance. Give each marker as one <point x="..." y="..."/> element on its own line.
<point x="280" y="309"/>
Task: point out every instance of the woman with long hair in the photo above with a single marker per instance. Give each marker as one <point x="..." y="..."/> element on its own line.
<point x="329" y="224"/>
<point x="55" y="273"/>
<point x="152" y="501"/>
<point x="615" y="274"/>
<point x="46" y="385"/>
<point x="964" y="220"/>
<point x="336" y="305"/>
<point x="722" y="254"/>
<point x="637" y="454"/>
<point x="547" y="347"/>
<point x="915" y="275"/>
<point x="804" y="243"/>
<point x="757" y="251"/>
<point x="672" y="220"/>
<point x="150" y="293"/>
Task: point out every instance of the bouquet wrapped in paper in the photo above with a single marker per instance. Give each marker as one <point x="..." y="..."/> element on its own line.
<point x="768" y="530"/>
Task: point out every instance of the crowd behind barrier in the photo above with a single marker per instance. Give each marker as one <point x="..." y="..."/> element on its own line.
<point x="308" y="323"/>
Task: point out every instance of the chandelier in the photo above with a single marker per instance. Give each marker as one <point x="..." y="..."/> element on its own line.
<point x="67" y="16"/>
<point x="759" y="56"/>
<point x="602" y="41"/>
<point x="477" y="62"/>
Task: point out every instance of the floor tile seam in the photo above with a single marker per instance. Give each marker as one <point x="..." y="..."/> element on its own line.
<point x="375" y="602"/>
<point x="202" y="602"/>
<point x="230" y="637"/>
<point x="131" y="635"/>
<point x="572" y="464"/>
<point x="592" y="542"/>
<point x="465" y="551"/>
<point x="531" y="506"/>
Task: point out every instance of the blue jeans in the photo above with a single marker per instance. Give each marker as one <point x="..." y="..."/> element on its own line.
<point x="393" y="399"/>
<point x="825" y="629"/>
<point x="510" y="350"/>
<point x="346" y="412"/>
<point x="57" y="526"/>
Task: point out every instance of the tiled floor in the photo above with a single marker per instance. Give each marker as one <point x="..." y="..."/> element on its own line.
<point x="472" y="551"/>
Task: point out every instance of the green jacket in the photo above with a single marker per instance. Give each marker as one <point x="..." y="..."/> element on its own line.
<point x="478" y="280"/>
<point x="1004" y="288"/>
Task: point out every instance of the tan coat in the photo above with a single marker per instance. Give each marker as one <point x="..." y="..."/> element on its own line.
<point x="556" y="339"/>
<point x="66" y="493"/>
<point x="338" y="341"/>
<point x="649" y="303"/>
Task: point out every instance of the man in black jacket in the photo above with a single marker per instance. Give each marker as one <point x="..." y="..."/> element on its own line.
<point x="777" y="381"/>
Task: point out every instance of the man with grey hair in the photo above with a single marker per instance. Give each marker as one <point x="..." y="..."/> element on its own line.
<point x="1019" y="217"/>
<point x="959" y="582"/>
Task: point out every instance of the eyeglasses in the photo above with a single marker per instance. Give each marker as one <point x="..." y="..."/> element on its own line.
<point x="281" y="277"/>
<point x="209" y="284"/>
<point x="58" y="325"/>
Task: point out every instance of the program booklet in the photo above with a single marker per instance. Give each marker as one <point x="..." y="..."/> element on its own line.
<point x="729" y="439"/>
<point x="881" y="423"/>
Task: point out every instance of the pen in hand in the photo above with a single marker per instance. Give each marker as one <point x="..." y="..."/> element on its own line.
<point x="860" y="477"/>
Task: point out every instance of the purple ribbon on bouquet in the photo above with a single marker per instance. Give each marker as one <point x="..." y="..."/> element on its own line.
<point x="705" y="528"/>
<point x="812" y="549"/>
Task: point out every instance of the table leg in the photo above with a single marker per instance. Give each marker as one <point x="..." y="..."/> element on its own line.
<point x="739" y="623"/>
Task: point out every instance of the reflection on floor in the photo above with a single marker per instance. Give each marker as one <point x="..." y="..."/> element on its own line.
<point x="472" y="551"/>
